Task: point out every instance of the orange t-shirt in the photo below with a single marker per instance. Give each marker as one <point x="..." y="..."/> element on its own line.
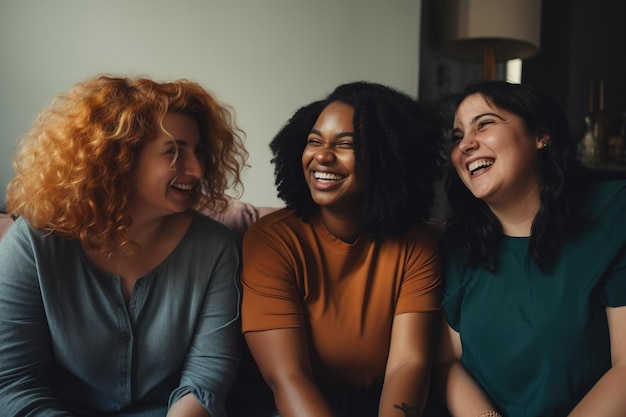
<point x="297" y="274"/>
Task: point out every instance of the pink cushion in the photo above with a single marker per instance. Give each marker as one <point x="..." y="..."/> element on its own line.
<point x="5" y="222"/>
<point x="240" y="215"/>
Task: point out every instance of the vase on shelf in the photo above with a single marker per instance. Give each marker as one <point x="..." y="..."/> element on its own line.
<point x="588" y="149"/>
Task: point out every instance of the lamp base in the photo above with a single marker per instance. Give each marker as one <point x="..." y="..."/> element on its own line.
<point x="489" y="63"/>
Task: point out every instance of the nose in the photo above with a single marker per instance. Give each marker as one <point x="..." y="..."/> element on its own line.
<point x="324" y="155"/>
<point x="191" y="164"/>
<point x="467" y="144"/>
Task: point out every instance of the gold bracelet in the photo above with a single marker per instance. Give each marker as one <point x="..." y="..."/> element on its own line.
<point x="489" y="413"/>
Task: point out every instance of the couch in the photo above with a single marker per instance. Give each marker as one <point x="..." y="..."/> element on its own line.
<point x="237" y="217"/>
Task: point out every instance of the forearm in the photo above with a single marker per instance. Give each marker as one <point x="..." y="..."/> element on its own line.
<point x="187" y="406"/>
<point x="606" y="398"/>
<point x="462" y="394"/>
<point x="300" y="398"/>
<point x="405" y="391"/>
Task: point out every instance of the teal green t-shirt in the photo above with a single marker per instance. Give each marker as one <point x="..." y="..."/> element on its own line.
<point x="536" y="342"/>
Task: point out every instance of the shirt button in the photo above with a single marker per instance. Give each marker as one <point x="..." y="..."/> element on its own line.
<point x="125" y="337"/>
<point x="115" y="281"/>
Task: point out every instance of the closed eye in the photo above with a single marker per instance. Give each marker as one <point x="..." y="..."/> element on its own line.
<point x="484" y="123"/>
<point x="457" y="135"/>
<point x="171" y="150"/>
<point x="313" y="141"/>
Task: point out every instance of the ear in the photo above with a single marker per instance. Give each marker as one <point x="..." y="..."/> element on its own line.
<point x="543" y="141"/>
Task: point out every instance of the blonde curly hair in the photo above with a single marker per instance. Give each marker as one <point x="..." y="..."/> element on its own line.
<point x="73" y="166"/>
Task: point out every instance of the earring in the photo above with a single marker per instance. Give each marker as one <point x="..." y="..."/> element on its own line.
<point x="544" y="143"/>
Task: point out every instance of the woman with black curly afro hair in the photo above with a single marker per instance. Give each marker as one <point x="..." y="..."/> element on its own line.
<point x="342" y="287"/>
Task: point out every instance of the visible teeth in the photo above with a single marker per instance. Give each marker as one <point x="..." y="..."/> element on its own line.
<point x="479" y="164"/>
<point x="185" y="187"/>
<point x="327" y="176"/>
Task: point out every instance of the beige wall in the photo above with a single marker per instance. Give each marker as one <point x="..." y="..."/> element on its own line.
<point x="264" y="57"/>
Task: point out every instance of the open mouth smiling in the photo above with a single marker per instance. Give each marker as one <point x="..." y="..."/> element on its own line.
<point x="327" y="176"/>
<point x="478" y="165"/>
<point x="182" y="187"/>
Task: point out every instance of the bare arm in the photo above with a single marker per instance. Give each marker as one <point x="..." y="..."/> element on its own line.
<point x="606" y="398"/>
<point x="283" y="358"/>
<point x="409" y="364"/>
<point x="462" y="394"/>
<point x="187" y="406"/>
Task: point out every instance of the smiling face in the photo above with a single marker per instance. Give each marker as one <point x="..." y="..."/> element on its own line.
<point x="168" y="169"/>
<point x="493" y="154"/>
<point x="329" y="162"/>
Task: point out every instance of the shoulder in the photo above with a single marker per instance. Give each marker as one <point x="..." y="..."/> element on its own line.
<point x="606" y="206"/>
<point x="205" y="231"/>
<point x="425" y="235"/>
<point x="279" y="222"/>
<point x="275" y="217"/>
<point x="12" y="232"/>
<point x="282" y="235"/>
<point x="606" y="195"/>
<point x="420" y="246"/>
<point x="206" y="247"/>
<point x="22" y="244"/>
<point x="21" y="229"/>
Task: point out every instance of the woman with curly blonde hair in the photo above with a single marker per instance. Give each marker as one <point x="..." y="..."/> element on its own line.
<point x="116" y="296"/>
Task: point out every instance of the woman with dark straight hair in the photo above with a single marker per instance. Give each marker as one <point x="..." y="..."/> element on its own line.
<point x="534" y="266"/>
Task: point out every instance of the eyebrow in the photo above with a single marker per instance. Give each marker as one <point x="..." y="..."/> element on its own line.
<point x="180" y="143"/>
<point x="340" y="135"/>
<point x="478" y="117"/>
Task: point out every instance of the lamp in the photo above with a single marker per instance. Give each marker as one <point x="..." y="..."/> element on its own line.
<point x="491" y="31"/>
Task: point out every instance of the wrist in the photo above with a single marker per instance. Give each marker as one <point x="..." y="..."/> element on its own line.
<point x="489" y="413"/>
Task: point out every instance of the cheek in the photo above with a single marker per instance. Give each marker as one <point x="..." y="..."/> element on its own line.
<point x="306" y="160"/>
<point x="348" y="161"/>
<point x="456" y="158"/>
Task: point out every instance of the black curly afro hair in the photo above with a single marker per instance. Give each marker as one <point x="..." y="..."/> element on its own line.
<point x="400" y="144"/>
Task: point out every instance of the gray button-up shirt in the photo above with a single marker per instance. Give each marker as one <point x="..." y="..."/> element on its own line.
<point x="71" y="345"/>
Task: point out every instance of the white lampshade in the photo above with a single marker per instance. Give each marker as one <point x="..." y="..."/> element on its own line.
<point x="491" y="30"/>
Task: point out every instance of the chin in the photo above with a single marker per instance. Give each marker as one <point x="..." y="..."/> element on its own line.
<point x="179" y="208"/>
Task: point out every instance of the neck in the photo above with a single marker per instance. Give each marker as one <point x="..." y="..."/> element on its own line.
<point x="155" y="239"/>
<point x="344" y="226"/>
<point x="147" y="231"/>
<point x="144" y="231"/>
<point x="517" y="218"/>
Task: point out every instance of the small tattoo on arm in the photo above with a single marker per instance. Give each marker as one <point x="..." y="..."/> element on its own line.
<point x="407" y="410"/>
